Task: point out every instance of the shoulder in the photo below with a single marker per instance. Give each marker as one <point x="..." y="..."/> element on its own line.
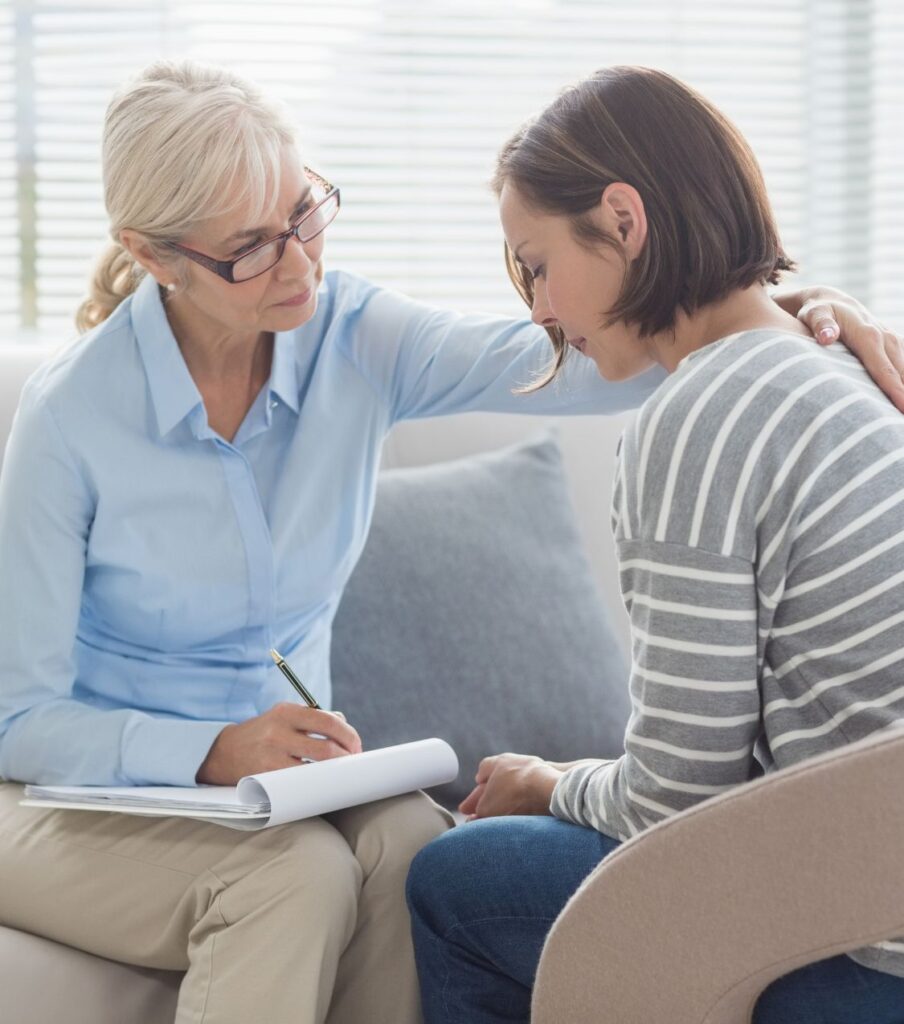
<point x="87" y="389"/>
<point x="747" y="380"/>
<point x="345" y="297"/>
<point x="82" y="370"/>
<point x="349" y="305"/>
<point x="717" y="433"/>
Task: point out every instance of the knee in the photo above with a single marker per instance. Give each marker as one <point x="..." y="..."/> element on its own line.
<point x="448" y="872"/>
<point x="385" y="836"/>
<point x="479" y="863"/>
<point x="412" y="822"/>
<point x="308" y="874"/>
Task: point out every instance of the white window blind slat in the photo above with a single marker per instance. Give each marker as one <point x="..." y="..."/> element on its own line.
<point x="405" y="104"/>
<point x="10" y="285"/>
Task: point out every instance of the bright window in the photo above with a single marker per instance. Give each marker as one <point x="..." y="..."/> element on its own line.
<point x="404" y="103"/>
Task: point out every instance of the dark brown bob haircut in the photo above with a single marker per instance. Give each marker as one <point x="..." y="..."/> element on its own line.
<point x="710" y="227"/>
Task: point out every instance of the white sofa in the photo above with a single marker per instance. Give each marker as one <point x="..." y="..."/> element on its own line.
<point x="41" y="981"/>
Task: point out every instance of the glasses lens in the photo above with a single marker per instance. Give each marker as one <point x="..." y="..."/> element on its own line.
<point x="309" y="227"/>
<point x="322" y="215"/>
<point x="256" y="262"/>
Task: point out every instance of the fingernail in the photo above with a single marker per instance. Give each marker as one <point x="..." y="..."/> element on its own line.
<point x="827" y="334"/>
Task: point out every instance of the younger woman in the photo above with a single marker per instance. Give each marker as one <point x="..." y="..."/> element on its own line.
<point x="758" y="519"/>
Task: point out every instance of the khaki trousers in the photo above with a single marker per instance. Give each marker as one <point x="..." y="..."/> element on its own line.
<point x="297" y="924"/>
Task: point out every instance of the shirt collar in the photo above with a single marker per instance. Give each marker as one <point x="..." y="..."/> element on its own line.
<point x="173" y="391"/>
<point x="284" y="370"/>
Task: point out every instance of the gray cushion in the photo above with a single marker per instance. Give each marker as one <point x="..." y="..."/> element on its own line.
<point x="473" y="615"/>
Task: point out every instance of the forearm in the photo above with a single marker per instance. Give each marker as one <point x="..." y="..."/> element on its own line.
<point x="694" y="692"/>
<point x="65" y="742"/>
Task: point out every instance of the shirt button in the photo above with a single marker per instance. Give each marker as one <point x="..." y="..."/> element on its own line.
<point x="273" y="405"/>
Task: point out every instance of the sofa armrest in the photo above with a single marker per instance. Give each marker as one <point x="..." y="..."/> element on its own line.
<point x="690" y="921"/>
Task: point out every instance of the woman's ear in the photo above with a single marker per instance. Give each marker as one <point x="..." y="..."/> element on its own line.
<point x="143" y="253"/>
<point x="624" y="217"/>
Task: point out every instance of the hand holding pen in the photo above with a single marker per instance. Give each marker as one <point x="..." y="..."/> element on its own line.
<point x="286" y="735"/>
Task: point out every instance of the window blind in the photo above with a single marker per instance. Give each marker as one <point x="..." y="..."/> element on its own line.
<point x="886" y="180"/>
<point x="404" y="104"/>
<point x="11" y="287"/>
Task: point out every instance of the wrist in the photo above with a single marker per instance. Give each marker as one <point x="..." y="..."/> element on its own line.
<point x="546" y="779"/>
<point x="211" y="771"/>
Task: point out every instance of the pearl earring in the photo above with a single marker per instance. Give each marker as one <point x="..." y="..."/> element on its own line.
<point x="170" y="287"/>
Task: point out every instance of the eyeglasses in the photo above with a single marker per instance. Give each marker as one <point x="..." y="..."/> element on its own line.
<point x="265" y="256"/>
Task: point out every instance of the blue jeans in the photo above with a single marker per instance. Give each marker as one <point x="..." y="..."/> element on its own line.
<point x="484" y="896"/>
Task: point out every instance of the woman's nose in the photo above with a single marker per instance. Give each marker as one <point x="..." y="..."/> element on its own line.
<point x="295" y="258"/>
<point x="540" y="312"/>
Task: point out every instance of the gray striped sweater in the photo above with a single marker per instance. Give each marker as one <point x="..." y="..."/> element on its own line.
<point x="758" y="513"/>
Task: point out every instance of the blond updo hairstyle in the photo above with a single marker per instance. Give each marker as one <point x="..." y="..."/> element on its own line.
<point x="182" y="143"/>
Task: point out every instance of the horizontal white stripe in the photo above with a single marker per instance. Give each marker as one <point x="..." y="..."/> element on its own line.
<point x="843" y="645"/>
<point x="706" y="721"/>
<point x="841" y="609"/>
<point x="651" y="805"/>
<point x="699" y="685"/>
<point x="691" y="788"/>
<point x="687" y="754"/>
<point x="684" y="572"/>
<point x="873" y="469"/>
<point x="691" y="647"/>
<point x="692" y="611"/>
<point x="780" y="703"/>
<point x="876" y="512"/>
<point x="792" y="736"/>
<point x="892" y="947"/>
<point x="847" y="567"/>
<point x="807" y="486"/>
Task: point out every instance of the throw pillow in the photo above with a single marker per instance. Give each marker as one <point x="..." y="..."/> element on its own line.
<point x="473" y="615"/>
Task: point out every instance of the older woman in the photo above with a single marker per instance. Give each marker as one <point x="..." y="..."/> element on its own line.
<point x="186" y="487"/>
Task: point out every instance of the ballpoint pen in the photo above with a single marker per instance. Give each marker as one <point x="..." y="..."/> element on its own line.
<point x="297" y="684"/>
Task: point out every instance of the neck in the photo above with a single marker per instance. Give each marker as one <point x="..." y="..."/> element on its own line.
<point x="213" y="354"/>
<point x="744" y="309"/>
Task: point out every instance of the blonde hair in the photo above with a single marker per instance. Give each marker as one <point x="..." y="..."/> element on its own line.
<point x="183" y="142"/>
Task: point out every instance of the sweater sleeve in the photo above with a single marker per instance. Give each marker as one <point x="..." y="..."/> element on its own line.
<point x="695" y="701"/>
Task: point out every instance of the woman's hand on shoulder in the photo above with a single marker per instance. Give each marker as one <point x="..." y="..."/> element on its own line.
<point x="279" y="738"/>
<point x="831" y="315"/>
<point x="511" y="784"/>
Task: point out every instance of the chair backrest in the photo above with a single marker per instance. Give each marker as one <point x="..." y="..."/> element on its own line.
<point x="689" y="922"/>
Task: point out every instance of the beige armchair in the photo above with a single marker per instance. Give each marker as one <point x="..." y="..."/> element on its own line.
<point x="689" y="922"/>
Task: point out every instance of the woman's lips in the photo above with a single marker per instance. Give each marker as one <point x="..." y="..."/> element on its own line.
<point x="578" y="343"/>
<point x="297" y="300"/>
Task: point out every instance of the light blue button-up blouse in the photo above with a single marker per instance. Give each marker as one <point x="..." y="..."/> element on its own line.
<point x="147" y="565"/>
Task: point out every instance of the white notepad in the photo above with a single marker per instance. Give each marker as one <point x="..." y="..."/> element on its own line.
<point x="272" y="798"/>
